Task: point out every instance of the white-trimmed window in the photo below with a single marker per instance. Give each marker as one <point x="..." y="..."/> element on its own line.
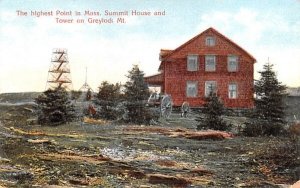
<point x="191" y="88"/>
<point x="210" y="63"/>
<point x="210" y="87"/>
<point x="210" y="41"/>
<point x="192" y="62"/>
<point x="232" y="91"/>
<point x="232" y="63"/>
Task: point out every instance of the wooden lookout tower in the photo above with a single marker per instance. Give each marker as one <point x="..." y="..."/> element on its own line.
<point x="59" y="74"/>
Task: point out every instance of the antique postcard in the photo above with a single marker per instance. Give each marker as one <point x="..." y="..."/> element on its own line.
<point x="164" y="93"/>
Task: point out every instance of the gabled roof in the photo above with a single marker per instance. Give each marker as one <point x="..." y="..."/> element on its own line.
<point x="170" y="52"/>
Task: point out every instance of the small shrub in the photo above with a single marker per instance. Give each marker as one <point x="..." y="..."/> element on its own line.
<point x="263" y="128"/>
<point x="213" y="110"/>
<point x="107" y="110"/>
<point x="281" y="158"/>
<point x="252" y="129"/>
<point x="139" y="114"/>
<point x="274" y="129"/>
<point x="215" y="124"/>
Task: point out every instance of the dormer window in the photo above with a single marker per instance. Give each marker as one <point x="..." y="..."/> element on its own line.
<point x="192" y="62"/>
<point x="210" y="41"/>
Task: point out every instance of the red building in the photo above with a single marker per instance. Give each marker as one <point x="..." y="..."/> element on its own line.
<point x="208" y="62"/>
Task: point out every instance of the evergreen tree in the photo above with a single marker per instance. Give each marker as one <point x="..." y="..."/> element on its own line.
<point x="55" y="107"/>
<point x="109" y="92"/>
<point x="108" y="97"/>
<point x="270" y="93"/>
<point x="268" y="117"/>
<point x="136" y="95"/>
<point x="135" y="88"/>
<point x="75" y="94"/>
<point x="269" y="101"/>
<point x="213" y="110"/>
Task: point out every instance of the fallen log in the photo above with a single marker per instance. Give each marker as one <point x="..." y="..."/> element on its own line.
<point x="166" y="163"/>
<point x="186" y="133"/>
<point x="168" y="180"/>
<point x="202" y="135"/>
<point x="39" y="133"/>
<point x="73" y="157"/>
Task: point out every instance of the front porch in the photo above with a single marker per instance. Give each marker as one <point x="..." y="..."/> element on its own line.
<point x="155" y="81"/>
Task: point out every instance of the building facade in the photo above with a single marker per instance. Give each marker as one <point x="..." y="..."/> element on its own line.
<point x="209" y="62"/>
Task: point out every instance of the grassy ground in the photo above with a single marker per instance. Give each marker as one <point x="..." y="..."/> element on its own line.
<point x="109" y="155"/>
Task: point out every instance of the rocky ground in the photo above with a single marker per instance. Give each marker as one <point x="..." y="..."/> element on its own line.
<point x="106" y="154"/>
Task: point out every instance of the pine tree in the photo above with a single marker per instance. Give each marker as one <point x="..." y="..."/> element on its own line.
<point x="269" y="101"/>
<point x="270" y="94"/>
<point x="55" y="107"/>
<point x="108" y="97"/>
<point x="109" y="92"/>
<point x="75" y="94"/>
<point x="135" y="88"/>
<point x="136" y="95"/>
<point x="213" y="110"/>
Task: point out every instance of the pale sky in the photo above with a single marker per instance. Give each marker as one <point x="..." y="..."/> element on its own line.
<point x="266" y="29"/>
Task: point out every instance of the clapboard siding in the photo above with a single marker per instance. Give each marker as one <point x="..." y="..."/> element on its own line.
<point x="175" y="74"/>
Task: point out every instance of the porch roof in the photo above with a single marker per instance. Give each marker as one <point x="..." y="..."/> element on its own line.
<point x="154" y="80"/>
